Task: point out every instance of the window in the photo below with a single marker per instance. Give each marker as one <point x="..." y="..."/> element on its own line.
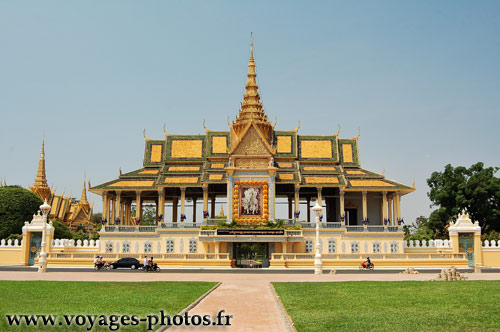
<point x="394" y="248"/>
<point x="109" y="247"/>
<point x="332" y="246"/>
<point x="309" y="245"/>
<point x="376" y="247"/>
<point x="170" y="246"/>
<point x="192" y="246"/>
<point x="125" y="247"/>
<point x="354" y="247"/>
<point x="147" y="247"/>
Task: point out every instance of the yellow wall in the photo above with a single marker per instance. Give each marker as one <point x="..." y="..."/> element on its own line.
<point x="491" y="257"/>
<point x="11" y="256"/>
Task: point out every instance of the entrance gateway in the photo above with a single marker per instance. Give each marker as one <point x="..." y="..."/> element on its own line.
<point x="35" y="242"/>
<point x="252" y="248"/>
<point x="251" y="255"/>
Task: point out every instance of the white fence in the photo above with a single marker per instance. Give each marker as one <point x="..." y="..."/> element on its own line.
<point x="491" y="244"/>
<point x="427" y="244"/>
<point x="10" y="243"/>
<point x="66" y="243"/>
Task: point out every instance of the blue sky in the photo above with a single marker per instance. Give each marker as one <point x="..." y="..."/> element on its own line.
<point x="420" y="78"/>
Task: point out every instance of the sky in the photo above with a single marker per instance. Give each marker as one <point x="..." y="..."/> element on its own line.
<point x="421" y="79"/>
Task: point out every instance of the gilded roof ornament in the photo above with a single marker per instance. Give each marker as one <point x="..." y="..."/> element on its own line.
<point x="165" y="132"/>
<point x="338" y="131"/>
<point x="205" y="127"/>
<point x="359" y="133"/>
<point x="251" y="108"/>
<point x="145" y="137"/>
<point x="40" y="187"/>
<point x="83" y="199"/>
<point x="413" y="185"/>
<point x="297" y="129"/>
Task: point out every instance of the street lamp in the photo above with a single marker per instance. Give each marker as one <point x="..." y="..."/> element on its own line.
<point x="318" y="263"/>
<point x="45" y="208"/>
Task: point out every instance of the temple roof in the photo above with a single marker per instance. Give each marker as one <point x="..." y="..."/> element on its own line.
<point x="305" y="160"/>
<point x="40" y="187"/>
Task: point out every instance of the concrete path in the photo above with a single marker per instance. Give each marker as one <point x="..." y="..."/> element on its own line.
<point x="251" y="305"/>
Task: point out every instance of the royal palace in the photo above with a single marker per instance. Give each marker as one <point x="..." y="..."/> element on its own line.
<point x="250" y="168"/>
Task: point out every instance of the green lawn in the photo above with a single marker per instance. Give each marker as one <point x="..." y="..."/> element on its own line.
<point x="461" y="306"/>
<point x="95" y="298"/>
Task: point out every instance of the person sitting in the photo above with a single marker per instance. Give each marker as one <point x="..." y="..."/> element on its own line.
<point x="100" y="262"/>
<point x="151" y="264"/>
<point x="366" y="264"/>
<point x="96" y="261"/>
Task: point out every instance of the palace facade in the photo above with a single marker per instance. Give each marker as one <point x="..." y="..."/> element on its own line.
<point x="250" y="168"/>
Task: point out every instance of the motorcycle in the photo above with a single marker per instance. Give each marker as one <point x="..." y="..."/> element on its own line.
<point x="364" y="266"/>
<point x="99" y="267"/>
<point x="147" y="268"/>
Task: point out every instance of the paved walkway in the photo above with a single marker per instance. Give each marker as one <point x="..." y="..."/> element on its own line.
<point x="252" y="306"/>
<point x="248" y="297"/>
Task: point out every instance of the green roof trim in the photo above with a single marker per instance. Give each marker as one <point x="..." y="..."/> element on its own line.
<point x="332" y="138"/>
<point x="172" y="138"/>
<point x="210" y="135"/>
<point x="148" y="151"/>
<point x="355" y="152"/>
<point x="293" y="135"/>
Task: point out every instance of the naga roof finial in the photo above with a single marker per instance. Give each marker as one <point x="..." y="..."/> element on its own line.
<point x="297" y="129"/>
<point x="359" y="133"/>
<point x="144" y="133"/>
<point x="165" y="132"/>
<point x="205" y="127"/>
<point x="338" y="131"/>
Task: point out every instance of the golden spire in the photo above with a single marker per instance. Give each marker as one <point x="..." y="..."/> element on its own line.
<point x="83" y="199"/>
<point x="251" y="107"/>
<point x="41" y="187"/>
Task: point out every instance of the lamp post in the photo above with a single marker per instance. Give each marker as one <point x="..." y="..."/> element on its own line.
<point x="318" y="263"/>
<point x="45" y="208"/>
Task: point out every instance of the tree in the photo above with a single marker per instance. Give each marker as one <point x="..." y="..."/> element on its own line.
<point x="96" y="218"/>
<point x="475" y="189"/>
<point x="421" y="230"/>
<point x="17" y="205"/>
<point x="148" y="214"/>
<point x="61" y="231"/>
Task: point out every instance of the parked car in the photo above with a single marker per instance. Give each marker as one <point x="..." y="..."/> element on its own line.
<point x="127" y="262"/>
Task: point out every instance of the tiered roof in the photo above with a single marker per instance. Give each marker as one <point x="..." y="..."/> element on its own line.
<point x="194" y="160"/>
<point x="310" y="161"/>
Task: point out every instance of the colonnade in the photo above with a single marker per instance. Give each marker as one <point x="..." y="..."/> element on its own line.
<point x="116" y="208"/>
<point x="390" y="205"/>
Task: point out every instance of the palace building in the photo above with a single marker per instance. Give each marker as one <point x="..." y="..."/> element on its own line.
<point x="248" y="170"/>
<point x="250" y="166"/>
<point x="66" y="210"/>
